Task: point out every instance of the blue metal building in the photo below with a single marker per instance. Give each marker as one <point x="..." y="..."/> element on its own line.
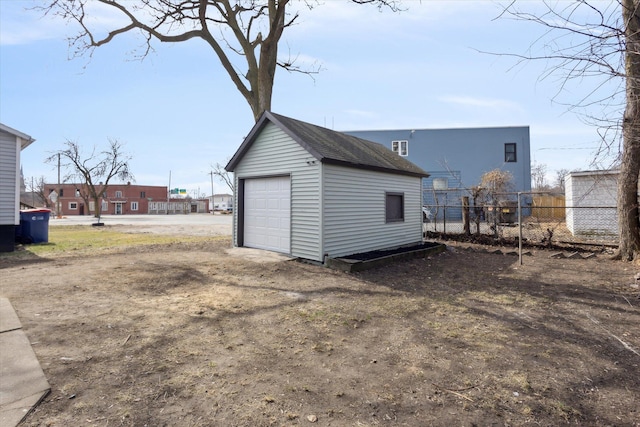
<point x="457" y="158"/>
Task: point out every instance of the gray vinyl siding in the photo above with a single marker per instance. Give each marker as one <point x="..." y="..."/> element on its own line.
<point x="274" y="153"/>
<point x="8" y="179"/>
<point x="354" y="210"/>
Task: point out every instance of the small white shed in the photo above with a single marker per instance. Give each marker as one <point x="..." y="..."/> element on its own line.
<point x="11" y="143"/>
<point x="312" y="192"/>
<point x="590" y="204"/>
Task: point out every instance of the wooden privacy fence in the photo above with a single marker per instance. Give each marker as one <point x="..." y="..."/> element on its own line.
<point x="548" y="207"/>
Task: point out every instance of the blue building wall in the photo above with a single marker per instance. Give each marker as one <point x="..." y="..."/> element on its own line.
<point x="458" y="158"/>
<point x="462" y="155"/>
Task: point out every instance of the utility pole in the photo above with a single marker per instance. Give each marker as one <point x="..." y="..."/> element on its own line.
<point x="211" y="207"/>
<point x="59" y="191"/>
<point x="169" y="194"/>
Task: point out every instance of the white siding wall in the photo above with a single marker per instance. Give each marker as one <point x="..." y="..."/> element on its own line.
<point x="9" y="179"/>
<point x="598" y="192"/>
<point x="354" y="210"/>
<point x="275" y="153"/>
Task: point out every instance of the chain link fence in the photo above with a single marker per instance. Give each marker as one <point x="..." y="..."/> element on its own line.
<point x="544" y="219"/>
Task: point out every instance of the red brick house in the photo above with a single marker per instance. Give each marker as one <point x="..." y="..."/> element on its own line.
<point x="119" y="199"/>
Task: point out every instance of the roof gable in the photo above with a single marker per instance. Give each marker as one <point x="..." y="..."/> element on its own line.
<point x="25" y="140"/>
<point x="331" y="147"/>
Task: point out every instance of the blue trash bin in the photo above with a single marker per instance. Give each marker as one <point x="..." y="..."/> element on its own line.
<point x="34" y="225"/>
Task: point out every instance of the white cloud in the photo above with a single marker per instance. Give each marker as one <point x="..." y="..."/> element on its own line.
<point x="362" y="114"/>
<point x="468" y="101"/>
<point x="21" y="23"/>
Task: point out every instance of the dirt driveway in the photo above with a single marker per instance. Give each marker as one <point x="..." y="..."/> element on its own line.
<point x="193" y="334"/>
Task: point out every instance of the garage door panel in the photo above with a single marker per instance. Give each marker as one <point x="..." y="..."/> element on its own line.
<point x="267" y="213"/>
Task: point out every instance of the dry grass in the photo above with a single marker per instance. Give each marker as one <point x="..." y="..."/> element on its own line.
<point x="80" y="239"/>
<point x="184" y="333"/>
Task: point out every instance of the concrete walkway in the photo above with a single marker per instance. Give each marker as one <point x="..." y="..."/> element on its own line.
<point x="22" y="382"/>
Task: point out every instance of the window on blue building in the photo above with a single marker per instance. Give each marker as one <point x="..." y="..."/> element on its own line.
<point x="400" y="147"/>
<point x="510" y="152"/>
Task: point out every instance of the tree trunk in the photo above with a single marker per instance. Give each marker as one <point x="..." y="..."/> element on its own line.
<point x="628" y="225"/>
<point x="465" y="215"/>
<point x="262" y="85"/>
<point x="266" y="76"/>
<point x="98" y="207"/>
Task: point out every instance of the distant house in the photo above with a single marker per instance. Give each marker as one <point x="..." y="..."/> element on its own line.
<point x="311" y="192"/>
<point x="590" y="205"/>
<point x="12" y="142"/>
<point x="221" y="202"/>
<point x="119" y="199"/>
<point x="457" y="158"/>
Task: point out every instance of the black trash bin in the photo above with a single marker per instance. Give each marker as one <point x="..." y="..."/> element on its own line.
<point x="34" y="225"/>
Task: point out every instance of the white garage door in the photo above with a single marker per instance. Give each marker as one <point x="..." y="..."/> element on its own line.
<point x="267" y="212"/>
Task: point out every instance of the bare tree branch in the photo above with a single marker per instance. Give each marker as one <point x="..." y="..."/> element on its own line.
<point x="221" y="173"/>
<point x="249" y="29"/>
<point x="587" y="40"/>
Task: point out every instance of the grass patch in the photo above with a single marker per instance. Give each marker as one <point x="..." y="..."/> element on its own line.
<point x="75" y="239"/>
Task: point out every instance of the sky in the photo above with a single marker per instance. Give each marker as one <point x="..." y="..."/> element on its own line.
<point x="178" y="113"/>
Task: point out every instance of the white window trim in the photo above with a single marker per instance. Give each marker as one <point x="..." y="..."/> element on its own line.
<point x="118" y="194"/>
<point x="400" y="147"/>
<point x="134" y="206"/>
<point x="73" y="205"/>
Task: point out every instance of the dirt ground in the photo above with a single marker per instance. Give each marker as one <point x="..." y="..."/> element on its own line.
<point x="194" y="334"/>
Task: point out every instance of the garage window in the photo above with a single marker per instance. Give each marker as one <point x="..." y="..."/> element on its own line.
<point x="394" y="207"/>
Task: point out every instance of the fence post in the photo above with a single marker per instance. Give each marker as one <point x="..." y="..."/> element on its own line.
<point x="444" y="215"/>
<point x="465" y="215"/>
<point x="519" y="229"/>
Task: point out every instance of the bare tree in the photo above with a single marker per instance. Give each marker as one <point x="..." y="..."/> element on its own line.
<point x="250" y="29"/>
<point x="494" y="186"/>
<point x="599" y="41"/>
<point x="477" y="196"/>
<point x="221" y="173"/>
<point x="94" y="171"/>
<point x="561" y="176"/>
<point x="36" y="186"/>
<point x="628" y="214"/>
<point x="496" y="183"/>
<point x="538" y="176"/>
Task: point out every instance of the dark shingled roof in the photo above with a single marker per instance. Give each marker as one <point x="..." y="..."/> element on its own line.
<point x="329" y="146"/>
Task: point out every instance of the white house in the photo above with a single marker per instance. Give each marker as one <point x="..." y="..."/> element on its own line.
<point x="590" y="204"/>
<point x="11" y="143"/>
<point x="312" y="192"/>
<point x="221" y="202"/>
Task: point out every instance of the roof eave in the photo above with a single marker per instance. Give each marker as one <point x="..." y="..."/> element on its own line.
<point x="25" y="140"/>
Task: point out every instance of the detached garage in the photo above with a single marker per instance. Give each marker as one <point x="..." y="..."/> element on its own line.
<point x="312" y="192"/>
